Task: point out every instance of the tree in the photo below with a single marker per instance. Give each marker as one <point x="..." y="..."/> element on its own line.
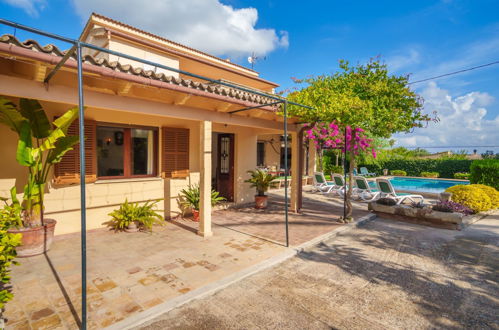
<point x="364" y="96"/>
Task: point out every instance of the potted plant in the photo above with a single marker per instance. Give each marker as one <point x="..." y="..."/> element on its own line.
<point x="191" y="197"/>
<point x="261" y="180"/>
<point x="41" y="144"/>
<point x="132" y="217"/>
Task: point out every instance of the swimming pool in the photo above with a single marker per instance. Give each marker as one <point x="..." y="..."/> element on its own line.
<point x="422" y="184"/>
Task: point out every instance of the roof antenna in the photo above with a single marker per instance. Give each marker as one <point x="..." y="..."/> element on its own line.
<point x="253" y="59"/>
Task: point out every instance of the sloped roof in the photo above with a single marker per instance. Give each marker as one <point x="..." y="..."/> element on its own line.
<point x="169" y="41"/>
<point x="53" y="50"/>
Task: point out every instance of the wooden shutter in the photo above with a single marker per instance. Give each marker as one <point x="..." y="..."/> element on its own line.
<point x="174" y="152"/>
<point x="68" y="170"/>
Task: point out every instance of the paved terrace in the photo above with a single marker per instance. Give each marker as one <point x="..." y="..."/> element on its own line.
<point x="131" y="272"/>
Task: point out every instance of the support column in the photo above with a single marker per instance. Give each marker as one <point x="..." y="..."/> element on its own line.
<point x="205" y="179"/>
<point x="296" y="176"/>
<point x="312" y="162"/>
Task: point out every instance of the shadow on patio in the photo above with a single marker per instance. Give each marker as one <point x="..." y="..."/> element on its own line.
<point x="127" y="273"/>
<point x="318" y="216"/>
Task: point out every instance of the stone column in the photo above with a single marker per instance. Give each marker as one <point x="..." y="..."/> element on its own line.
<point x="296" y="176"/>
<point x="205" y="179"/>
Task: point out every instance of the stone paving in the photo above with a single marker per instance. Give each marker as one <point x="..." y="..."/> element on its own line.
<point x="127" y="273"/>
<point x="131" y="272"/>
<point x="318" y="216"/>
<point x="383" y="275"/>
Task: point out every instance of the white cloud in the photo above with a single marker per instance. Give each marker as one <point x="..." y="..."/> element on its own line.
<point x="462" y="120"/>
<point x="207" y="25"/>
<point x="401" y="61"/>
<point x="31" y="7"/>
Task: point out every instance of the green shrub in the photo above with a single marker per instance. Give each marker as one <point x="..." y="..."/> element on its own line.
<point x="485" y="171"/>
<point x="10" y="216"/>
<point x="429" y="174"/>
<point x="190" y="197"/>
<point x="471" y="196"/>
<point x="398" y="172"/>
<point x="333" y="169"/>
<point x="462" y="175"/>
<point x="145" y="215"/>
<point x="445" y="167"/>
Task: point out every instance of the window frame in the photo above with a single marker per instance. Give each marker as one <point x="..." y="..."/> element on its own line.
<point x="262" y="163"/>
<point x="127" y="152"/>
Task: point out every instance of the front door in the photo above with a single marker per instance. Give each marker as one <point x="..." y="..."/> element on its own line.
<point x="225" y="166"/>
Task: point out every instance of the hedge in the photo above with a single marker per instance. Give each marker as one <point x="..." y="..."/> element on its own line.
<point x="485" y="171"/>
<point x="445" y="167"/>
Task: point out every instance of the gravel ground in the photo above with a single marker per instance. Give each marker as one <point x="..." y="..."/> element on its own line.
<point x="384" y="275"/>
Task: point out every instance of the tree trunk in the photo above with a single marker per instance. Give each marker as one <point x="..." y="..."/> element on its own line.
<point x="349" y="207"/>
<point x="320" y="155"/>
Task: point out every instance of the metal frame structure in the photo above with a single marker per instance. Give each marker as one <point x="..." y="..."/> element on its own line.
<point x="77" y="46"/>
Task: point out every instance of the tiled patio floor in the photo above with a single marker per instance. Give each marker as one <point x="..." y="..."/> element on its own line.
<point x="318" y="216"/>
<point x="127" y="273"/>
<point x="131" y="272"/>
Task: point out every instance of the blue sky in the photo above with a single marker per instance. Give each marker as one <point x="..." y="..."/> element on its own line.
<point x="302" y="38"/>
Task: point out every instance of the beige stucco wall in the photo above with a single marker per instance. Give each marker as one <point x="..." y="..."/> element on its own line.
<point x="144" y="53"/>
<point x="63" y="203"/>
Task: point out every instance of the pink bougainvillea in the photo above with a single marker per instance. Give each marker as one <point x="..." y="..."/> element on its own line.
<point x="331" y="136"/>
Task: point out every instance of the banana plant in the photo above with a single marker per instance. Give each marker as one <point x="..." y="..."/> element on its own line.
<point x="41" y="144"/>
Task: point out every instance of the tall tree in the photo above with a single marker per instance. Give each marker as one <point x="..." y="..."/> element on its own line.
<point x="363" y="96"/>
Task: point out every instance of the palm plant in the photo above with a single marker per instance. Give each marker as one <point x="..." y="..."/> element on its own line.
<point x="145" y="215"/>
<point x="191" y="197"/>
<point x="261" y="180"/>
<point x="41" y="144"/>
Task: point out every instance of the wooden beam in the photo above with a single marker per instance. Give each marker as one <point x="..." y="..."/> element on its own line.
<point x="125" y="88"/>
<point x="40" y="71"/>
<point x="223" y="107"/>
<point x="182" y="99"/>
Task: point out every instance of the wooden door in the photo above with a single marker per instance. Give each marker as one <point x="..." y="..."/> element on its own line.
<point x="225" y="166"/>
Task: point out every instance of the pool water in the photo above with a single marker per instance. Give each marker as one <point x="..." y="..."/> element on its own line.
<point x="422" y="184"/>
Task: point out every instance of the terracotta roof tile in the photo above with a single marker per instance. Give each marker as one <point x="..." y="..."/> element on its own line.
<point x="127" y="68"/>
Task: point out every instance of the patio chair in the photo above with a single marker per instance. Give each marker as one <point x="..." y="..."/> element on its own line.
<point x="341" y="187"/>
<point x="321" y="184"/>
<point x="364" y="191"/>
<point x="365" y="172"/>
<point x="387" y="190"/>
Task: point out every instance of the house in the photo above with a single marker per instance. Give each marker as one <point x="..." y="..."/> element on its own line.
<point x="150" y="132"/>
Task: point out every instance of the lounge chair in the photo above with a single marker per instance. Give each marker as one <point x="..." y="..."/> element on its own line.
<point x="387" y="190"/>
<point x="364" y="191"/>
<point x="365" y="172"/>
<point x="321" y="184"/>
<point x="341" y="187"/>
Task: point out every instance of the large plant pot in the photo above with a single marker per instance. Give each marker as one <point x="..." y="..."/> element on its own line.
<point x="195" y="215"/>
<point x="35" y="240"/>
<point x="261" y="202"/>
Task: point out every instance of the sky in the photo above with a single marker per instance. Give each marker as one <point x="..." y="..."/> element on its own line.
<point x="304" y="38"/>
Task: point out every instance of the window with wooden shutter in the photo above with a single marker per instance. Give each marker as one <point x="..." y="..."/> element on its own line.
<point x="175" y="152"/>
<point x="67" y="171"/>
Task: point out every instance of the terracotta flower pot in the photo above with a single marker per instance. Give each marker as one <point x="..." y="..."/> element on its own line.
<point x="195" y="215"/>
<point x="133" y="227"/>
<point x="261" y="202"/>
<point x="36" y="240"/>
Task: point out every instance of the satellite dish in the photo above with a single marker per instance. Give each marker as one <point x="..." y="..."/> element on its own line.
<point x="251" y="59"/>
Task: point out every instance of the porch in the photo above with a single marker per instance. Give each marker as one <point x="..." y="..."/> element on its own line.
<point x="129" y="273"/>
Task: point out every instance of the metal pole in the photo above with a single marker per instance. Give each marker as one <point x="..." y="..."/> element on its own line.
<point x="345" y="175"/>
<point x="81" y="118"/>
<point x="286" y="171"/>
